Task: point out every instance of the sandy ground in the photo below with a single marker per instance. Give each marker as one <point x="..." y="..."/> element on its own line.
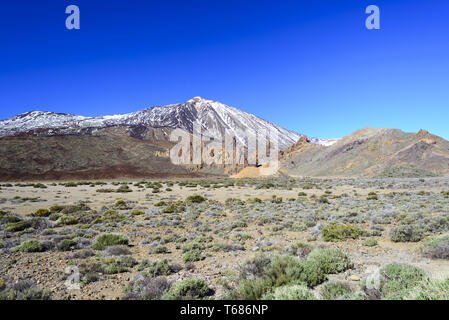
<point x="47" y="268"/>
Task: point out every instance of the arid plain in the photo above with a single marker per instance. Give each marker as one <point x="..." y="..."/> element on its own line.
<point x="218" y="238"/>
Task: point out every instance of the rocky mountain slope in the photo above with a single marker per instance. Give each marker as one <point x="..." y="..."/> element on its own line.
<point x="213" y="116"/>
<point x="370" y="152"/>
<point x="50" y="145"/>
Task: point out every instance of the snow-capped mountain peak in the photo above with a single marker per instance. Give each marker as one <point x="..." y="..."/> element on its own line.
<point x="212" y="115"/>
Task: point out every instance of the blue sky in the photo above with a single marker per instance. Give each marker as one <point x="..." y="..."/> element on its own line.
<point x="310" y="66"/>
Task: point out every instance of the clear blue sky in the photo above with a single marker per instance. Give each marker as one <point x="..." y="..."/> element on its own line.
<point x="310" y="66"/>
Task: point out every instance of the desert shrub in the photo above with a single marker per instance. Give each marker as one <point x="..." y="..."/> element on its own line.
<point x="254" y="268"/>
<point x="117" y="250"/>
<point x="82" y="254"/>
<point x="372" y="196"/>
<point x="334" y="290"/>
<point x="290" y="292"/>
<point x="407" y="233"/>
<point x="260" y="275"/>
<point x="301" y="249"/>
<point x="188" y="289"/>
<point x="68" y="220"/>
<point x="67" y="244"/>
<point x="282" y="270"/>
<point x="169" y="209"/>
<point x="308" y="186"/>
<point x="396" y="281"/>
<point x="159" y="268"/>
<point x="251" y="289"/>
<point x="31" y="245"/>
<point x="312" y="273"/>
<point x="146" y="288"/>
<point x="229" y="247"/>
<point x="23" y="290"/>
<point x="193" y="245"/>
<point x="90" y="271"/>
<point x="437" y="248"/>
<point x="71" y="184"/>
<point x="42" y="213"/>
<point x="56" y="208"/>
<point x="112" y="215"/>
<point x="11" y="219"/>
<point x="323" y="199"/>
<point x="334" y="232"/>
<point x="137" y="212"/>
<point x="370" y="242"/>
<point x="192" y="256"/>
<point x="330" y="260"/>
<point x="118" y="265"/>
<point x="159" y="250"/>
<point x="160" y="204"/>
<point x="18" y="226"/>
<point x="75" y="208"/>
<point x="195" y="199"/>
<point x="121" y="204"/>
<point x="109" y="239"/>
<point x="430" y="290"/>
<point x="124" y="189"/>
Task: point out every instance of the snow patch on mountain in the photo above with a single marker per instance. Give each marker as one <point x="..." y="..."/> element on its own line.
<point x="213" y="116"/>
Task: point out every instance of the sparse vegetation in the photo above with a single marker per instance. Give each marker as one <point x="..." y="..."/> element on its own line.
<point x="245" y="239"/>
<point x="110" y="239"/>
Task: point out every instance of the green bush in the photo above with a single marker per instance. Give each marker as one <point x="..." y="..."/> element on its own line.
<point x="23" y="290"/>
<point x="18" y="226"/>
<point x="370" y="242"/>
<point x="118" y="265"/>
<point x="159" y="250"/>
<point x="282" y="270"/>
<point x="192" y="256"/>
<point x="68" y="220"/>
<point x="109" y="239"/>
<point x="188" y="289"/>
<point x="334" y="232"/>
<point x="290" y="292"/>
<point x="42" y="213"/>
<point x="31" y="245"/>
<point x="312" y="273"/>
<point x="407" y="233"/>
<point x="397" y="281"/>
<point x="330" y="260"/>
<point x="123" y="189"/>
<point x="67" y="245"/>
<point x="112" y="215"/>
<point x="372" y="196"/>
<point x="437" y="248"/>
<point x="137" y="212"/>
<point x="158" y="268"/>
<point x="11" y="219"/>
<point x="56" y="208"/>
<point x="251" y="289"/>
<point x="260" y="276"/>
<point x="335" y="290"/>
<point x="430" y="290"/>
<point x="195" y="199"/>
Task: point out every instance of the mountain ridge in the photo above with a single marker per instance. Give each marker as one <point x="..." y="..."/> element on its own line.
<point x="371" y="152"/>
<point x="211" y="114"/>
